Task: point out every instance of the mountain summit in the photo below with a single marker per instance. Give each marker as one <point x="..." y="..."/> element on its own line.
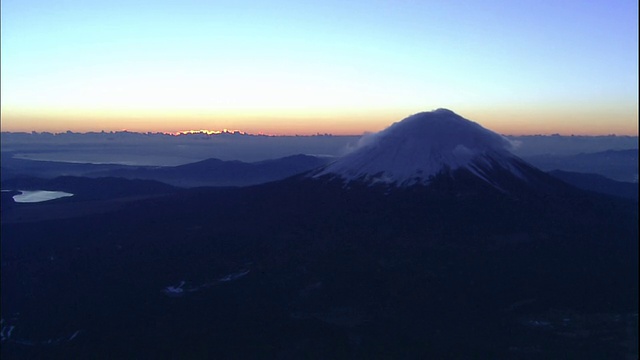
<point x="426" y="145"/>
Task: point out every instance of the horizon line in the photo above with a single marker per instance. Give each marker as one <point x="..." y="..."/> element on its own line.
<point x="244" y="133"/>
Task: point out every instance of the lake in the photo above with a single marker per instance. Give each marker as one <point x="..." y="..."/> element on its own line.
<point x="33" y="196"/>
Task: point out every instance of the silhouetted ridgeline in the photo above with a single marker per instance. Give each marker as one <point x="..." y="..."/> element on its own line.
<point x="333" y="271"/>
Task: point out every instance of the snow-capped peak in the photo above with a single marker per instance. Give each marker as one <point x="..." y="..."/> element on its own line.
<point x="421" y="146"/>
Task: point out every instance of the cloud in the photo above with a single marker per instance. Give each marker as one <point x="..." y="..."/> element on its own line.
<point x="513" y="144"/>
<point x="367" y="139"/>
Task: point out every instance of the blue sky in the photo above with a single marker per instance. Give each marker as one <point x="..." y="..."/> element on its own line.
<point x="340" y="67"/>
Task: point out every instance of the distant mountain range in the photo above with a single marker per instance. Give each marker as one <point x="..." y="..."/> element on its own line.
<point x="17" y="173"/>
<point x="619" y="165"/>
<point x="214" y="172"/>
<point x="210" y="172"/>
<point x="598" y="183"/>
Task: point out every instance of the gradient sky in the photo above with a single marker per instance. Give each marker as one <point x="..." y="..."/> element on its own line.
<point x="342" y="67"/>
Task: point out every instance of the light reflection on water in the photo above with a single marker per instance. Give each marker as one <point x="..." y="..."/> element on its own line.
<point x="33" y="196"/>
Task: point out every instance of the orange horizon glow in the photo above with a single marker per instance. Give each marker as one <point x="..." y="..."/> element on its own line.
<point x="290" y="123"/>
<point x="303" y="68"/>
<point x="205" y="132"/>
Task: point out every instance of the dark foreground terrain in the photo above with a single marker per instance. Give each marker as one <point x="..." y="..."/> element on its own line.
<point x="311" y="269"/>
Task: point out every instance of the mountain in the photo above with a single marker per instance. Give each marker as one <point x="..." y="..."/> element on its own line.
<point x="432" y="148"/>
<point x="598" y="183"/>
<point x="619" y="165"/>
<point x="209" y="172"/>
<point x="215" y="172"/>
<point x="13" y="167"/>
<point x="479" y="255"/>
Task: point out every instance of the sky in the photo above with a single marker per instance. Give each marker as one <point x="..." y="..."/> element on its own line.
<point x="339" y="67"/>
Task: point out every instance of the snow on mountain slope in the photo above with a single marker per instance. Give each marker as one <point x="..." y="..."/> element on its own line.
<point x="424" y="145"/>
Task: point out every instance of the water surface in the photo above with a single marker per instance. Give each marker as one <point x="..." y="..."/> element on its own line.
<point x="33" y="196"/>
